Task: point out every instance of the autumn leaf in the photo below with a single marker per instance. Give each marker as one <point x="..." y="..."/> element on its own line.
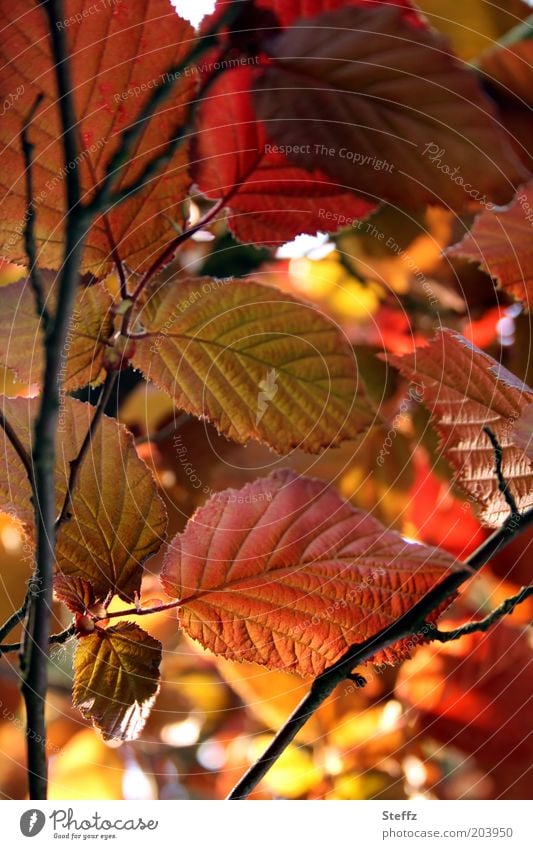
<point x="254" y="361"/>
<point x="286" y="573"/>
<point x="76" y="593"/>
<point x="117" y="517"/>
<point x="269" y="200"/>
<point x="22" y="337"/>
<point x="465" y="389"/>
<point x="346" y="93"/>
<point x="502" y="243"/>
<point x="474" y="693"/>
<point x="118" y="54"/>
<point x="116" y="679"/>
<point x="523" y="431"/>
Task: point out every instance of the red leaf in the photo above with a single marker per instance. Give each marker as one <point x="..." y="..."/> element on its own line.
<point x="473" y="694"/>
<point x="76" y="593"/>
<point x="269" y="200"/>
<point x="347" y="93"/>
<point x="465" y="390"/>
<point x="502" y="243"/>
<point x="286" y="573"/>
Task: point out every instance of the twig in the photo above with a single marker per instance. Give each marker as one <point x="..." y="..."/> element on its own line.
<point x="29" y="230"/>
<point x="407" y="625"/>
<point x="503" y="486"/>
<point x="54" y="639"/>
<point x="165" y="432"/>
<point x="104" y="198"/>
<point x="22" y="454"/>
<point x="483" y="624"/>
<point x="15" y="618"/>
<point x="34" y="670"/>
<point x="75" y="464"/>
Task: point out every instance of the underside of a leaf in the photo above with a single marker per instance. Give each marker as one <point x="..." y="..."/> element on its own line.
<point x="116" y="679"/>
<point x="118" y="54"/>
<point x="466" y="390"/>
<point x="502" y="243"/>
<point x="345" y="93"/>
<point x="269" y="200"/>
<point x="286" y="573"/>
<point x="254" y="361"/>
<point x="22" y="337"/>
<point x="117" y="519"/>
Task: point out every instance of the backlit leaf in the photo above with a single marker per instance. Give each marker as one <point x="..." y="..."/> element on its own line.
<point x="269" y="200"/>
<point x="117" y="517"/>
<point x="76" y="593"/>
<point x="254" y="361"/>
<point x="523" y="431"/>
<point x="465" y="389"/>
<point x="502" y="243"/>
<point x="21" y="334"/>
<point x="286" y="573"/>
<point x="347" y="93"/>
<point x="118" y="54"/>
<point x="116" y="679"/>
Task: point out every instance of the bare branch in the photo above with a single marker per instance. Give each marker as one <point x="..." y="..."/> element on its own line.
<point x="503" y="486"/>
<point x="483" y="624"/>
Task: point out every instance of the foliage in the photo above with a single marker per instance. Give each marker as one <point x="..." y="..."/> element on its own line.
<point x="303" y="455"/>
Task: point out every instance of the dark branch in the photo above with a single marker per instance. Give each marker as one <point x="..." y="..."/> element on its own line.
<point x="75" y="464"/>
<point x="503" y="486"/>
<point x="36" y="636"/>
<point x="15" y="618"/>
<point x="54" y="639"/>
<point x="411" y="623"/>
<point x="483" y="624"/>
<point x="22" y="454"/>
<point x="29" y="230"/>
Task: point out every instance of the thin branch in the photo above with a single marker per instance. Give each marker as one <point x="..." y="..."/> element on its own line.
<point x="29" y="229"/>
<point x="75" y="464"/>
<point x="104" y="198"/>
<point x="503" y="486"/>
<point x="34" y="671"/>
<point x="22" y="454"/>
<point x="54" y="639"/>
<point x="165" y="432"/>
<point x="411" y="623"/>
<point x="15" y="618"/>
<point x="483" y="624"/>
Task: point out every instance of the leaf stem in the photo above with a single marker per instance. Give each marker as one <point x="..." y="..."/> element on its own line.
<point x="410" y="623"/>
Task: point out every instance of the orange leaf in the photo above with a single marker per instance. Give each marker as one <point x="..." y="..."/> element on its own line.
<point x="269" y="200"/>
<point x="347" y="94"/>
<point x="117" y="517"/>
<point x="118" y="54"/>
<point x="465" y="389"/>
<point x="523" y="431"/>
<point x="502" y="243"/>
<point x="254" y="361"/>
<point x="116" y="679"/>
<point x="21" y="334"/>
<point x="286" y="573"/>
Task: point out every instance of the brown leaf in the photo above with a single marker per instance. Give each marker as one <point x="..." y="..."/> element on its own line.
<point x="347" y="93"/>
<point x="523" y="431"/>
<point x="465" y="389"/>
<point x="119" y="52"/>
<point x="117" y="517"/>
<point x="116" y="679"/>
<point x="254" y="361"/>
<point x="286" y="573"/>
<point x="21" y="334"/>
<point x="76" y="593"/>
<point x="502" y="243"/>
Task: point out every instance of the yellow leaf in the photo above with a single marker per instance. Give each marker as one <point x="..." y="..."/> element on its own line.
<point x="116" y="679"/>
